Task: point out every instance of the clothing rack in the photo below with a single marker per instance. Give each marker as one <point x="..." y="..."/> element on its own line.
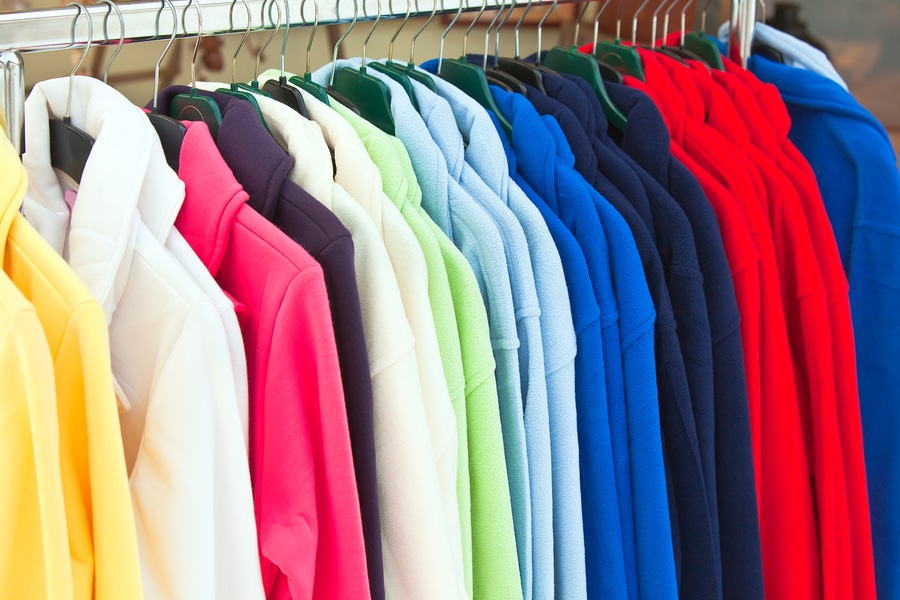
<point x="52" y="29"/>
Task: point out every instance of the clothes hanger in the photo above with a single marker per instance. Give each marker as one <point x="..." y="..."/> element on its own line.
<point x="764" y="49"/>
<point x="411" y="71"/>
<point x="494" y="72"/>
<point x="524" y="71"/>
<point x="192" y="106"/>
<point x="469" y="78"/>
<point x="607" y="72"/>
<point x="368" y="93"/>
<point x="624" y="58"/>
<point x="233" y="90"/>
<point x="392" y="69"/>
<point x="170" y="131"/>
<point x="673" y="52"/>
<point x="306" y="82"/>
<point x="112" y="6"/>
<point x="70" y="147"/>
<point x="253" y="86"/>
<point x="582" y="65"/>
<point x="280" y="90"/>
<point x="697" y="45"/>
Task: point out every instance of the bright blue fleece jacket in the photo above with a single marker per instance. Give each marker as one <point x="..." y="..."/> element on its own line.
<point x="856" y="167"/>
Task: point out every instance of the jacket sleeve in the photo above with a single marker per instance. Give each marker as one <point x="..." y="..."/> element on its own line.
<point x="33" y="539"/>
<point x="310" y="529"/>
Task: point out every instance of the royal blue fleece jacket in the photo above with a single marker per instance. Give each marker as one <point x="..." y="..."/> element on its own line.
<point x="603" y="538"/>
<point x="694" y="536"/>
<point x="646" y="139"/>
<point x="856" y="168"/>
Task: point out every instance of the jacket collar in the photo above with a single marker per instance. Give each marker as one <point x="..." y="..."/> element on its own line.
<point x="206" y="218"/>
<point x="645" y="137"/>
<point x="125" y="181"/>
<point x="302" y="138"/>
<point x="259" y="164"/>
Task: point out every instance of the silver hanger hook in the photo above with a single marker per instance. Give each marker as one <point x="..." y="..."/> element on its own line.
<point x="540" y="31"/>
<point x="112" y="6"/>
<point x="337" y="44"/>
<point x="87" y="48"/>
<point x="655" y="21"/>
<point x="412" y="44"/>
<point x="597" y="21"/>
<point x="487" y="32"/>
<point x="447" y="31"/>
<point x="196" y="4"/>
<point x="619" y="20"/>
<point x="371" y="31"/>
<point x="703" y="16"/>
<point x="472" y="25"/>
<point x="400" y="28"/>
<point x="634" y="22"/>
<point x="578" y="23"/>
<point x="762" y="4"/>
<point x="519" y="27"/>
<point x="287" y="32"/>
<point x="243" y="37"/>
<point x="512" y="7"/>
<point x="665" y="33"/>
<point x="168" y="45"/>
<point x="684" y="10"/>
<point x="312" y="36"/>
<point x="272" y="35"/>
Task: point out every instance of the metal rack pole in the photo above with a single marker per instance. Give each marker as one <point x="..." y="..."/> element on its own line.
<point x="42" y="30"/>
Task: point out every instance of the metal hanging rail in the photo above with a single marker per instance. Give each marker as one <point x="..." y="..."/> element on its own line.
<point x="43" y="30"/>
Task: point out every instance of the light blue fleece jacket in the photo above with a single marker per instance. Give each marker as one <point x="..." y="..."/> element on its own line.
<point x="485" y="153"/>
<point x="478" y="238"/>
<point x="438" y="117"/>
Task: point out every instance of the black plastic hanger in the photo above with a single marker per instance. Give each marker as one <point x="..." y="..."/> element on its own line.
<point x="193" y="106"/>
<point x="522" y="70"/>
<point x="170" y="131"/>
<point x="280" y="90"/>
<point x="70" y="147"/>
<point x="370" y="95"/>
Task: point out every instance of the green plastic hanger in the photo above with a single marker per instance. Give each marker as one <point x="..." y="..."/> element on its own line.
<point x="469" y="78"/>
<point x="584" y="66"/>
<point x="192" y="106"/>
<point x="624" y="58"/>
<point x="394" y="70"/>
<point x="306" y="82"/>
<point x="233" y="89"/>
<point x="702" y="45"/>
<point x="370" y="95"/>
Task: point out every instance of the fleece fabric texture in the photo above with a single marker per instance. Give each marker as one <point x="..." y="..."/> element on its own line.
<point x="685" y="473"/>
<point x="355" y="172"/>
<point x="482" y="147"/>
<point x="741" y="556"/>
<point x="774" y="405"/>
<point x="322" y="234"/>
<point x="567" y="191"/>
<point x="494" y="556"/>
<point x="774" y="141"/>
<point x="852" y="158"/>
<point x="439" y="118"/>
<point x="479" y="240"/>
<point x="232" y="246"/>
